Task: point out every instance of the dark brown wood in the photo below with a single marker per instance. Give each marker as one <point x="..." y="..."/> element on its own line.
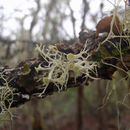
<point x="80" y="108"/>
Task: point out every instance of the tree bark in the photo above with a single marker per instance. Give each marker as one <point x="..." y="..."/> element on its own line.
<point x="26" y="85"/>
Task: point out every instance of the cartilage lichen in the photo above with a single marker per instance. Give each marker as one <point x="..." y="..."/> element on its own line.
<point x="60" y="64"/>
<point x="6" y="97"/>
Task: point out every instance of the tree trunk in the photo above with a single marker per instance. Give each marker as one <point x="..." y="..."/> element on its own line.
<point x="80" y="108"/>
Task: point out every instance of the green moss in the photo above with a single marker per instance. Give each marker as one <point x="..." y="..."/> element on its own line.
<point x="101" y="54"/>
<point x="26" y="69"/>
<point x="115" y="52"/>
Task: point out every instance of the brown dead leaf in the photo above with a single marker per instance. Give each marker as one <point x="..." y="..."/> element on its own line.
<point x="104" y="25"/>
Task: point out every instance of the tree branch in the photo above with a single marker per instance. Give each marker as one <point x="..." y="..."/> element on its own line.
<point x="9" y="41"/>
<point x="28" y="80"/>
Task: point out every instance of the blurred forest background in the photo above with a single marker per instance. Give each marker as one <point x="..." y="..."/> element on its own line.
<point x="102" y="105"/>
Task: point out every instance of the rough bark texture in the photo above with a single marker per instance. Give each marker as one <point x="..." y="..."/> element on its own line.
<point x="26" y="85"/>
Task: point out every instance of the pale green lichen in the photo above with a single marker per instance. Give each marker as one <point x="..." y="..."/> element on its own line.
<point x="6" y="99"/>
<point x="59" y="64"/>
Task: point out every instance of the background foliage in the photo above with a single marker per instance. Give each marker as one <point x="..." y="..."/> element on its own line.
<point x="103" y="104"/>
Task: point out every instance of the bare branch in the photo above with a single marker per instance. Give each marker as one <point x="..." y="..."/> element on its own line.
<point x="73" y="20"/>
<point x="35" y="16"/>
<point x="5" y="41"/>
<point x="47" y="18"/>
<point x="85" y="11"/>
